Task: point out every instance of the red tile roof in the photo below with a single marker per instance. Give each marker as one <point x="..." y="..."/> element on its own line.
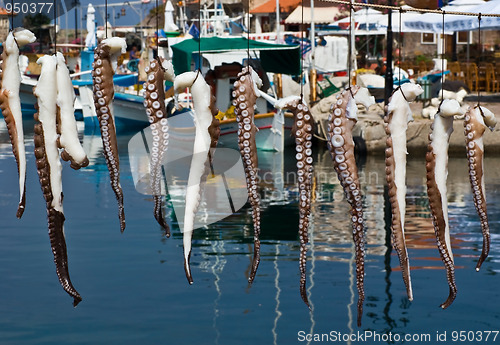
<point x="270" y="6"/>
<point x="4" y="12"/>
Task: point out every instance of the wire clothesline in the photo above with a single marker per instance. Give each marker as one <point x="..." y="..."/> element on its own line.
<point x="413" y="9"/>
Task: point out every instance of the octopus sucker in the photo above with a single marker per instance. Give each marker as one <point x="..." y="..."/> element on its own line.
<point x="50" y="169"/>
<point x="105" y="56"/>
<point x="342" y="119"/>
<point x="206" y="137"/>
<point x="476" y="120"/>
<point x="398" y="114"/>
<point x="68" y="140"/>
<point x="159" y="70"/>
<point x="246" y="91"/>
<point x="10" y="103"/>
<point x="437" y="173"/>
<point x="303" y="132"/>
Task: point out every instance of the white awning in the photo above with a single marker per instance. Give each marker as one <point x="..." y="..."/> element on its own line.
<point x="369" y="22"/>
<point x="468" y="23"/>
<point x="433" y="22"/>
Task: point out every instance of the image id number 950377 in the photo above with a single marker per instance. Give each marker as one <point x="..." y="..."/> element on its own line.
<point x="28" y="7"/>
<point x="474" y="336"/>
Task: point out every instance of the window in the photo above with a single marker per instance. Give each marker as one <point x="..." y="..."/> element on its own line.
<point x="462" y="37"/>
<point x="428" y="38"/>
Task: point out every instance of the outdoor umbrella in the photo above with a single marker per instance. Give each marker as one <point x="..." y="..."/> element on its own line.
<point x="364" y="16"/>
<point x="469" y="23"/>
<point x="169" y="18"/>
<point x="91" y="39"/>
<point x="433" y="22"/>
<point x="376" y="22"/>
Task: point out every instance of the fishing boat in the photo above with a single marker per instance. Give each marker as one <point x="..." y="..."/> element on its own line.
<point x="274" y="128"/>
<point x="28" y="99"/>
<point x="273" y="135"/>
<point x="130" y="115"/>
<point x="129" y="108"/>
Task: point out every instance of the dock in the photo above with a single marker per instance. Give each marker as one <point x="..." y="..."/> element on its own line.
<point x="370" y="128"/>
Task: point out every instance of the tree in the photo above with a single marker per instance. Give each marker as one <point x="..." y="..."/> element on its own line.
<point x="35" y="21"/>
<point x="156" y="13"/>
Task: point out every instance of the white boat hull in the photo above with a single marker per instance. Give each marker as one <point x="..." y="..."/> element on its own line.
<point x="270" y="137"/>
<point x="129" y="110"/>
<point x="28" y="99"/>
<point x="274" y="130"/>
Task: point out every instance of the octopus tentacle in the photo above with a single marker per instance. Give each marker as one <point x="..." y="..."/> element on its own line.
<point x="341" y="145"/>
<point x="303" y="131"/>
<point x="437" y="172"/>
<point x="66" y="124"/>
<point x="49" y="170"/>
<point x="206" y="137"/>
<point x="398" y="114"/>
<point x="105" y="59"/>
<point x="10" y="103"/>
<point x="476" y="120"/>
<point x="244" y="97"/>
<point x="154" y="101"/>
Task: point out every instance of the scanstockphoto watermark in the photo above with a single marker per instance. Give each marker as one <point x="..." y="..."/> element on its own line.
<point x="217" y="185"/>
<point x="372" y="337"/>
<point x="322" y="177"/>
<point x="220" y="186"/>
<point x="323" y="180"/>
<point x="368" y="337"/>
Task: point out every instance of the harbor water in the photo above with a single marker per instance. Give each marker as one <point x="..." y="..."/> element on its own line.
<point x="135" y="292"/>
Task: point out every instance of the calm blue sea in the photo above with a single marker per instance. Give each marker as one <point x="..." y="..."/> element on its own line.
<point x="135" y="292"/>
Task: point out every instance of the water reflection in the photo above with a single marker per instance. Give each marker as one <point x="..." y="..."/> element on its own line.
<point x="331" y="238"/>
<point x="222" y="254"/>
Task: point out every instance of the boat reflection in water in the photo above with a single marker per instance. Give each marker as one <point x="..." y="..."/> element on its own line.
<point x="220" y="300"/>
<point x="331" y="238"/>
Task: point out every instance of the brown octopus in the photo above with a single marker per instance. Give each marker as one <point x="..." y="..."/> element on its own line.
<point x="341" y="145"/>
<point x="245" y="95"/>
<point x="154" y="101"/>
<point x="437" y="172"/>
<point x="476" y="120"/>
<point x="303" y="131"/>
<point x="105" y="57"/>
<point x="50" y="169"/>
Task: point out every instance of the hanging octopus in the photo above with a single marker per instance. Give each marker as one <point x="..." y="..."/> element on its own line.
<point x="158" y="71"/>
<point x="105" y="63"/>
<point x="303" y="131"/>
<point x="205" y="142"/>
<point x="437" y="173"/>
<point x="10" y="103"/>
<point x="476" y="120"/>
<point x="246" y="91"/>
<point x="49" y="168"/>
<point x="398" y="114"/>
<point x="68" y="140"/>
<point x="341" y="146"/>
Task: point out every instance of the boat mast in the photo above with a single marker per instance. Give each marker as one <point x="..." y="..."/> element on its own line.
<point x="277" y="21"/>
<point x="312" y="69"/>
<point x="216" y="17"/>
<point x="313" y="34"/>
